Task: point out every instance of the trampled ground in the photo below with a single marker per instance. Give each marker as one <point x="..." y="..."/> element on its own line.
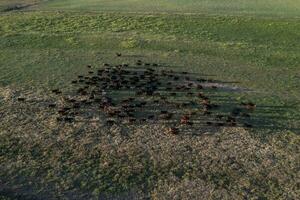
<point x="251" y="47"/>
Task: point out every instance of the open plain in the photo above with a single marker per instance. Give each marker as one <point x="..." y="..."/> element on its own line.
<point x="136" y="99"/>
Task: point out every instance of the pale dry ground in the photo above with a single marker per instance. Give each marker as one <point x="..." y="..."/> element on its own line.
<point x="43" y="159"/>
<point x="9" y="5"/>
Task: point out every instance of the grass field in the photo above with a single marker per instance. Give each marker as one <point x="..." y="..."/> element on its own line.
<point x="279" y="8"/>
<point x="228" y="7"/>
<point x="252" y="44"/>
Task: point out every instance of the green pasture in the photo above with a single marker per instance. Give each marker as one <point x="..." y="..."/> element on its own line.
<point x="278" y="8"/>
<point x="39" y="48"/>
<point x="251" y="45"/>
<point x="229" y="7"/>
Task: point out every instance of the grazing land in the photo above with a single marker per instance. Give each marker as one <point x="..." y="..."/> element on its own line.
<point x="248" y="48"/>
<point x="227" y="7"/>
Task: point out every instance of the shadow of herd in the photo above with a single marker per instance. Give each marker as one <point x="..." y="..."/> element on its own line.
<point x="148" y="93"/>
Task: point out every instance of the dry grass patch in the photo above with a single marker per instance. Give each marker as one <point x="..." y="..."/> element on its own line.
<point x="42" y="158"/>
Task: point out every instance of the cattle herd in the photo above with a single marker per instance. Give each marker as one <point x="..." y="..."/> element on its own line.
<point x="147" y="93"/>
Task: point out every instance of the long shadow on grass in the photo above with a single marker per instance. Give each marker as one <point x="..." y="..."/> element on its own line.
<point x="148" y="93"/>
